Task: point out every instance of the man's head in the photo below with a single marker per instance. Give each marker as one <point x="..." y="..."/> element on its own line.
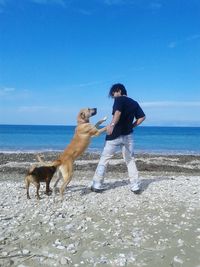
<point x="117" y="88"/>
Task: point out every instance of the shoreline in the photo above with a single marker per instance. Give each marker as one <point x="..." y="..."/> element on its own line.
<point x="98" y="151"/>
<point x="158" y="163"/>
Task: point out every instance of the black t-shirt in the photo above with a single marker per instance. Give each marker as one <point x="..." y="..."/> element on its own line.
<point x="130" y="110"/>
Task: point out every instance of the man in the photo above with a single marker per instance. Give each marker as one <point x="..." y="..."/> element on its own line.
<point x="119" y="135"/>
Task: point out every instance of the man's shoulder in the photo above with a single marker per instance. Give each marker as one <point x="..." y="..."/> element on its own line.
<point x="131" y="101"/>
<point x="125" y="98"/>
<point x="125" y="101"/>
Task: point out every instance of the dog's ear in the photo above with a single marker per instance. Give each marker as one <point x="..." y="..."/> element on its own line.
<point x="82" y="115"/>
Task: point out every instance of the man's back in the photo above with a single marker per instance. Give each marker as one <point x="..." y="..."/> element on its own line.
<point x="130" y="110"/>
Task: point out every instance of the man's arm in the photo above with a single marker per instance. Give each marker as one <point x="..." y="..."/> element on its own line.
<point x="114" y="121"/>
<point x="138" y="121"/>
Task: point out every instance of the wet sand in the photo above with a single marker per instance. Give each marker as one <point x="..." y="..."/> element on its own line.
<point x="159" y="227"/>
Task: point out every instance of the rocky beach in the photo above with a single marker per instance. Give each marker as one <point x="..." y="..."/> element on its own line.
<point x="159" y="227"/>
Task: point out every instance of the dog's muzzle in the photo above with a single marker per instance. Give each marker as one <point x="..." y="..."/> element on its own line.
<point x="94" y="111"/>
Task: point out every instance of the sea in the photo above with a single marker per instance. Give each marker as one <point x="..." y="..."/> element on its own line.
<point x="147" y="139"/>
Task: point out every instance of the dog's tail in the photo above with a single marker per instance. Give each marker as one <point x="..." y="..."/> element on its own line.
<point x="31" y="170"/>
<point x="54" y="163"/>
<point x="40" y="159"/>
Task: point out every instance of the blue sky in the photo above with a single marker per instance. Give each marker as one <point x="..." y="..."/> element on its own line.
<point x="57" y="56"/>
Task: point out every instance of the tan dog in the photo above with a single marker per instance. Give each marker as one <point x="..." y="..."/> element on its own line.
<point x="37" y="175"/>
<point x="81" y="139"/>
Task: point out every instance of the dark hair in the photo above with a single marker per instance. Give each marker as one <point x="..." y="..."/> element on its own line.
<point x="116" y="88"/>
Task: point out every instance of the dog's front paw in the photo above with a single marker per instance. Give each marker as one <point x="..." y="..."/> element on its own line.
<point x="102" y="120"/>
<point x="105" y="118"/>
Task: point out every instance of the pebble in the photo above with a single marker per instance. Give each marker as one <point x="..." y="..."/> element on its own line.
<point x="64" y="261"/>
<point x="57" y="242"/>
<point x="180" y="242"/>
<point x="121" y="260"/>
<point x="25" y="251"/>
<point x="71" y="248"/>
<point x="4" y="253"/>
<point x="60" y="247"/>
<point x="178" y="260"/>
<point x="88" y="254"/>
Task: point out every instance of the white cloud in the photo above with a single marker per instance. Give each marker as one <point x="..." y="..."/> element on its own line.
<point x="193" y="37"/>
<point x="89" y="84"/>
<point x="56" y="2"/>
<point x="9" y="89"/>
<point x="171" y="104"/>
<point x="190" y="38"/>
<point x="114" y="2"/>
<point x="62" y="3"/>
<point x="2" y="2"/>
<point x="155" y="6"/>
<point x="84" y="12"/>
<point x="31" y="108"/>
<point x="172" y="113"/>
<point x="172" y="44"/>
<point x="45" y="109"/>
<point x="6" y="91"/>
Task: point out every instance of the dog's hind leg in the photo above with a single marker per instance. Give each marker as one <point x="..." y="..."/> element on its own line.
<point x="27" y="184"/>
<point x="67" y="176"/>
<point x="37" y="185"/>
<point x="58" y="178"/>
<point x="48" y="189"/>
<point x="64" y="185"/>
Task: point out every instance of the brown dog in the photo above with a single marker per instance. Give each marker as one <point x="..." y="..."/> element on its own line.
<point x="37" y="175"/>
<point x="81" y="139"/>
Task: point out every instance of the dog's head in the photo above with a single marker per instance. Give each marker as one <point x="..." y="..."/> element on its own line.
<point x="85" y="114"/>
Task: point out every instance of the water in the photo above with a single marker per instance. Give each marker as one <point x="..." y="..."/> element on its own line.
<point x="168" y="140"/>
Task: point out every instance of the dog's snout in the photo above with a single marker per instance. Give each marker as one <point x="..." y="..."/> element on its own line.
<point x="94" y="111"/>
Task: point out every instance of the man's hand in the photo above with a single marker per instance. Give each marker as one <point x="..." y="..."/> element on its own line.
<point x="138" y="121"/>
<point x="115" y="120"/>
<point x="109" y="129"/>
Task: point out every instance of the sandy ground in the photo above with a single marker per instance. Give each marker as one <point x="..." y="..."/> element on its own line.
<point x="158" y="228"/>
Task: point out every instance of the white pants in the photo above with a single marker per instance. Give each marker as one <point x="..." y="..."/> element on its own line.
<point x="125" y="143"/>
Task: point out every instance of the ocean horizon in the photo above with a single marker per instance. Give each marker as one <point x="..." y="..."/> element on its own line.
<point x="147" y="139"/>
